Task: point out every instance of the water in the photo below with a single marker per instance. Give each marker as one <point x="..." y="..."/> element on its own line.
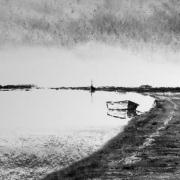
<point x="50" y="111"/>
<point x="52" y="129"/>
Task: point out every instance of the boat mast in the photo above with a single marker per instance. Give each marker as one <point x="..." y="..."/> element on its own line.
<point x="92" y="89"/>
<point x="91" y="84"/>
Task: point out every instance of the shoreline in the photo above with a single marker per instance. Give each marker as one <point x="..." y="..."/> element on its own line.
<point x="144" y="150"/>
<point x="33" y="154"/>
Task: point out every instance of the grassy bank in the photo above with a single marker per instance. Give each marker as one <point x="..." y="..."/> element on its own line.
<point x="148" y="148"/>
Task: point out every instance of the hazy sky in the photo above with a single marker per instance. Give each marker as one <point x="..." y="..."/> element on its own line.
<point x="105" y="65"/>
<point x="132" y="23"/>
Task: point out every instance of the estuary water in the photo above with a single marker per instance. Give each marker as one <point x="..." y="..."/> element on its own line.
<point x="42" y="131"/>
<point x="57" y="111"/>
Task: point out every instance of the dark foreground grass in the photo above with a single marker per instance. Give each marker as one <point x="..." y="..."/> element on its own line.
<point x="147" y="149"/>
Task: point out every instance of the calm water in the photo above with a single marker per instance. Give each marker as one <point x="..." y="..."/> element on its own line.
<point x="50" y="111"/>
<point x="56" y="128"/>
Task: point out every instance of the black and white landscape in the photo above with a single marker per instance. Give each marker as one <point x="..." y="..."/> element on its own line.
<point x="89" y="89"/>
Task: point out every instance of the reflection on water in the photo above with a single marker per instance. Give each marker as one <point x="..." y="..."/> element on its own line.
<point x="48" y="111"/>
<point x="122" y="114"/>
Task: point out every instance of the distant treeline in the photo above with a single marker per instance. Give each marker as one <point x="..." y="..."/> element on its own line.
<point x="124" y="89"/>
<point x="139" y="89"/>
<point x="14" y="87"/>
<point x="89" y="88"/>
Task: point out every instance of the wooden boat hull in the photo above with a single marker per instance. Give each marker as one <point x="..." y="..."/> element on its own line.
<point x="121" y="105"/>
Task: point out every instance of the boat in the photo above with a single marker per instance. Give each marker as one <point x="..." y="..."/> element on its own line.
<point x="122" y="105"/>
<point x="122" y="109"/>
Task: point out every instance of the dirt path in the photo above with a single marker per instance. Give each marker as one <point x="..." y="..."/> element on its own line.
<point x="149" y="148"/>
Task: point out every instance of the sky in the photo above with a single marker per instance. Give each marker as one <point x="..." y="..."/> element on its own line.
<point x="77" y="66"/>
<point x="70" y="43"/>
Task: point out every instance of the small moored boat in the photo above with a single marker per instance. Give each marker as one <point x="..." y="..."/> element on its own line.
<point x="122" y="105"/>
<point x="121" y="109"/>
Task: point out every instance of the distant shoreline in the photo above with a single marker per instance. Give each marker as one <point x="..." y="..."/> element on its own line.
<point x="17" y="87"/>
<point x="122" y="89"/>
<point x="88" y="88"/>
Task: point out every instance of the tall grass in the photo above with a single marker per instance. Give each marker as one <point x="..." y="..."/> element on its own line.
<point x="69" y="22"/>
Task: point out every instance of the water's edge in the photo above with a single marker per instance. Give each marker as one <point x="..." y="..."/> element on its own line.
<point x="85" y="163"/>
